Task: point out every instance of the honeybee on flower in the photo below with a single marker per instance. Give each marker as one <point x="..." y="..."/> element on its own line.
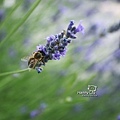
<point x="55" y="47"/>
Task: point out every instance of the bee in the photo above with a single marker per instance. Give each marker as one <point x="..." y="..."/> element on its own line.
<point x="34" y="60"/>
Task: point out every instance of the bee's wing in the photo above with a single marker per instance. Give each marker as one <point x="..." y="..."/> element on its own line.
<point x="25" y="59"/>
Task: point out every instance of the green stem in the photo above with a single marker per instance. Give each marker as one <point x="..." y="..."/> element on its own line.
<point x="13" y="72"/>
<point x="21" y="22"/>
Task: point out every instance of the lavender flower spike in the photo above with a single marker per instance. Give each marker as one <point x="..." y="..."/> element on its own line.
<point x="55" y="47"/>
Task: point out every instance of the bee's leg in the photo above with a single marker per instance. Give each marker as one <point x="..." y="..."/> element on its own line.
<point x="43" y="62"/>
<point x="36" y="61"/>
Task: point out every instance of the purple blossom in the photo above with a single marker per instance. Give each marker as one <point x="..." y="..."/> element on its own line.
<point x="56" y="56"/>
<point x="63" y="53"/>
<point x="70" y="24"/>
<point x="56" y="45"/>
<point x="71" y="35"/>
<point x="38" y="111"/>
<point x="80" y="28"/>
<point x="102" y="67"/>
<point x="118" y="117"/>
<point x="117" y="54"/>
<point x="39" y="47"/>
<point x="50" y="38"/>
<point x="42" y="48"/>
<point x="34" y="113"/>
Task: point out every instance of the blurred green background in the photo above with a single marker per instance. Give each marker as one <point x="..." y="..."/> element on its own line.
<point x="90" y="60"/>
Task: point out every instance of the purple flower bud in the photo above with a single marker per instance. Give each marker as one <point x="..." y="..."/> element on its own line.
<point x="40" y="47"/>
<point x="64" y="42"/>
<point x="50" y="38"/>
<point x="72" y="22"/>
<point x="73" y="30"/>
<point x="70" y="35"/>
<point x="59" y="36"/>
<point x="53" y="44"/>
<point x="55" y="47"/>
<point x="70" y="25"/>
<point x="63" y="53"/>
<point x="56" y="56"/>
<point x="79" y="28"/>
<point x="69" y="41"/>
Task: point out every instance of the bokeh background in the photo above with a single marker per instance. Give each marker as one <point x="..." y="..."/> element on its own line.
<point x="92" y="59"/>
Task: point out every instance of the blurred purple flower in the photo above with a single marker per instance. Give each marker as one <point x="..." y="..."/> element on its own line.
<point x="91" y="12"/>
<point x="93" y="29"/>
<point x="42" y="106"/>
<point x="38" y="111"/>
<point x="102" y="91"/>
<point x="56" y="55"/>
<point x="2" y="15"/>
<point x="91" y="48"/>
<point x="79" y="49"/>
<point x="118" y="117"/>
<point x="117" y="54"/>
<point x="114" y="27"/>
<point x="50" y="38"/>
<point x="103" y="66"/>
<point x="34" y="113"/>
